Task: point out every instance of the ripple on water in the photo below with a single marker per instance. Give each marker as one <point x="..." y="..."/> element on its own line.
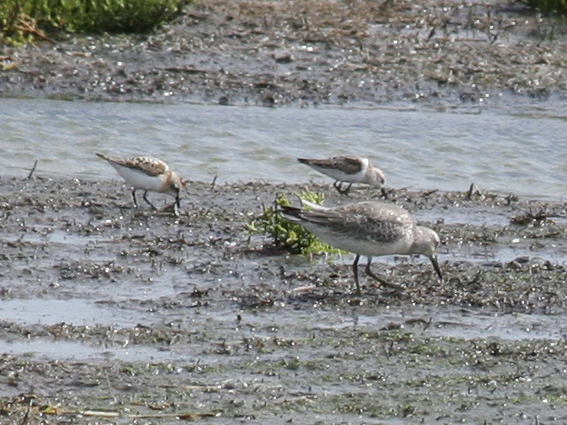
<point x="419" y="149"/>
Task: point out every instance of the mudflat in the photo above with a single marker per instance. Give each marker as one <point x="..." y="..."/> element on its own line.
<point x="274" y="53"/>
<point x="138" y="316"/>
<point x="118" y="315"/>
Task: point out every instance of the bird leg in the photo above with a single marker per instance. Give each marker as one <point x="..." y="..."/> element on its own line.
<point x="355" y="270"/>
<point x="176" y="206"/>
<point x="135" y="200"/>
<point x="178" y="200"/>
<point x="379" y="279"/>
<point x="339" y="186"/>
<point x="148" y="201"/>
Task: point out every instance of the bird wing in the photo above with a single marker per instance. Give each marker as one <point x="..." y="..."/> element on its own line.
<point x="145" y="164"/>
<point x="347" y="164"/>
<point x="344" y="164"/>
<point x="364" y="222"/>
<point x="150" y="166"/>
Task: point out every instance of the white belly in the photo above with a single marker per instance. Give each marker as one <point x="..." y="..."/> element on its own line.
<point x="140" y="180"/>
<point x="340" y="176"/>
<point x="363" y="247"/>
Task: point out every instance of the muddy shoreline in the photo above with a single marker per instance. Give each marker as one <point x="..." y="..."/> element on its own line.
<point x="279" y="53"/>
<point x="189" y="318"/>
<point x="111" y="315"/>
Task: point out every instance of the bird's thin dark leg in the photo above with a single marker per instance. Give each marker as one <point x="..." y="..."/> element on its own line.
<point x="379" y="279"/>
<point x="135" y="200"/>
<point x="339" y="186"/>
<point x="178" y="200"/>
<point x="148" y="201"/>
<point x="355" y="271"/>
<point x="177" y="204"/>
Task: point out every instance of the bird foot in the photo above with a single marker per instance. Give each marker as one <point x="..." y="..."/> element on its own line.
<point x="170" y="209"/>
<point x="384" y="282"/>
<point x="339" y="187"/>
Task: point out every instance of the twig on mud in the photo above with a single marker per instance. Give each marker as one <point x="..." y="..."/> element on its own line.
<point x="429" y="192"/>
<point x="473" y="190"/>
<point x="530" y="217"/>
<point x="26" y="416"/>
<point x="33" y="169"/>
<point x="28" y="24"/>
<point x="302" y="289"/>
<point x="113" y="414"/>
<point x="428" y="323"/>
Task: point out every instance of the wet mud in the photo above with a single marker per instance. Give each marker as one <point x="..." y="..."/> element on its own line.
<point x="116" y="315"/>
<point x="112" y="314"/>
<point x="306" y="53"/>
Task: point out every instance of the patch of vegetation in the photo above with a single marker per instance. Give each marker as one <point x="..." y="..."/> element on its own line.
<point x="548" y="6"/>
<point x="287" y="235"/>
<point x="26" y="20"/>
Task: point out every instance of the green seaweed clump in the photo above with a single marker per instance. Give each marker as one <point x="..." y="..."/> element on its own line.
<point x="287" y="235"/>
<point x="548" y="6"/>
<point x="27" y="20"/>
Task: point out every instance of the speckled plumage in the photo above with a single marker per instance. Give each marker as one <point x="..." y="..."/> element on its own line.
<point x="147" y="174"/>
<point x="347" y="169"/>
<point x="146" y="164"/>
<point x="368" y="228"/>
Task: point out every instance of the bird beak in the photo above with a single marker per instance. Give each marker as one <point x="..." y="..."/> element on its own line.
<point x="436" y="266"/>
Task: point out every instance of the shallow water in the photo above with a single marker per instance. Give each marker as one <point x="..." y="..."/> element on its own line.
<point x="446" y="322"/>
<point x="506" y="150"/>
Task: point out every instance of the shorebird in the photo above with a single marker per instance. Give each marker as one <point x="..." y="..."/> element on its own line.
<point x="347" y="169"/>
<point x="147" y="174"/>
<point x="370" y="229"/>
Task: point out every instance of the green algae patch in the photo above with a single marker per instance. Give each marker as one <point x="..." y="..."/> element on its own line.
<point x="285" y="234"/>
<point x="27" y="20"/>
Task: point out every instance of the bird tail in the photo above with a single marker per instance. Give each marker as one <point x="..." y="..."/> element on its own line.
<point x="296" y="214"/>
<point x="312" y="205"/>
<point x="102" y="156"/>
<point x="290" y="213"/>
<point x="304" y="161"/>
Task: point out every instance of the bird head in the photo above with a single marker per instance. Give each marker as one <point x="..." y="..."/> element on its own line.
<point x="177" y="185"/>
<point x="427" y="241"/>
<point x="378" y="178"/>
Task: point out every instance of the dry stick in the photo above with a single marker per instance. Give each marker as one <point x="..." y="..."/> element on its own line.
<point x="428" y="323"/>
<point x="31" y="27"/>
<point x="27" y="412"/>
<point x="33" y="169"/>
<point x="274" y="218"/>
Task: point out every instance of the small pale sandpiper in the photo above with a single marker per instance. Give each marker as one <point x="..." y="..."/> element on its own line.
<point x="147" y="174"/>
<point x="370" y="229"/>
<point x="348" y="169"/>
